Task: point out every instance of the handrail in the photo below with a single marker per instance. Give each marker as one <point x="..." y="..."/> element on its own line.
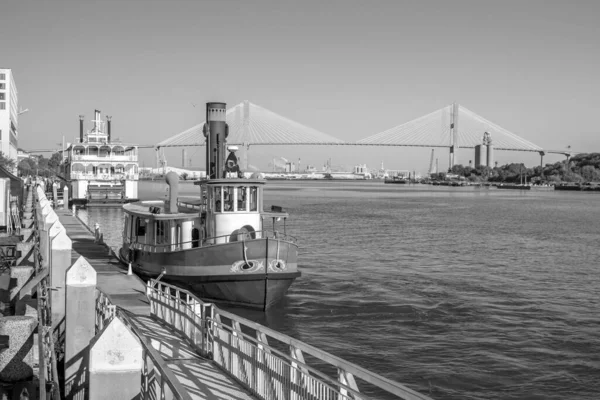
<point x="167" y="247"/>
<point x="264" y="370"/>
<point x="105" y="308"/>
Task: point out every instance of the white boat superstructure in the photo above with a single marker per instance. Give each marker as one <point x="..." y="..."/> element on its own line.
<point x="101" y="171"/>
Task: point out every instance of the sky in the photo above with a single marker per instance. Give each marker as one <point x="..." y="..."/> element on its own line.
<point x="347" y="68"/>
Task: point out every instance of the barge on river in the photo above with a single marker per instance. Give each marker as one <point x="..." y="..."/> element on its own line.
<point x="219" y="245"/>
<point x="101" y="171"/>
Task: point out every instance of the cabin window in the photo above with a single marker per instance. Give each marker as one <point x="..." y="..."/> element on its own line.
<point x="253" y="198"/>
<point x="242" y="203"/>
<point x="140" y="228"/>
<point x="126" y="228"/>
<point x="195" y="237"/>
<point x="161" y="229"/>
<point x="228" y="198"/>
<point x="216" y="198"/>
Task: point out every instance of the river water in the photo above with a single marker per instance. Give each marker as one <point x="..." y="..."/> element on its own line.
<point x="459" y="293"/>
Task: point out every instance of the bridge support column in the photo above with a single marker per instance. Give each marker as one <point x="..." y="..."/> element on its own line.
<point x="542" y="154"/>
<point x="454" y="136"/>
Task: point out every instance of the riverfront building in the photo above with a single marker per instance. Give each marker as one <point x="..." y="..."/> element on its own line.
<point x="9" y="114"/>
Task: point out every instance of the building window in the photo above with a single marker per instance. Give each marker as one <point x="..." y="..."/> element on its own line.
<point x="2" y="96"/>
<point x="2" y="86"/>
<point x="2" y="77"/>
<point x="2" y="105"/>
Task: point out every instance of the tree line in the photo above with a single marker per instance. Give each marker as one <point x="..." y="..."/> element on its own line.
<point x="580" y="169"/>
<point x="33" y="165"/>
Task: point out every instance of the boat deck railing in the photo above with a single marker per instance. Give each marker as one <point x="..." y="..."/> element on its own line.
<point x="268" y="364"/>
<point x="211" y="241"/>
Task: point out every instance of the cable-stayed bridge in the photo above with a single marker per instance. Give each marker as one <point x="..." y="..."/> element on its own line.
<point x="451" y="127"/>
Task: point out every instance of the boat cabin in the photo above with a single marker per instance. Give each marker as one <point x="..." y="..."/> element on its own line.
<point x="228" y="210"/>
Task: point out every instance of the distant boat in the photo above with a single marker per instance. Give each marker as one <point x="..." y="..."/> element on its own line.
<point x="396" y="179"/>
<point x="511" y="186"/>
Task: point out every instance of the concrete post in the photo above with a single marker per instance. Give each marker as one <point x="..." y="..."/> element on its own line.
<point x="48" y="220"/>
<point x="19" y="276"/>
<point x="26" y="249"/>
<point x="60" y="261"/>
<point x="55" y="194"/>
<point x="115" y="363"/>
<point x="80" y="327"/>
<point x="16" y="362"/>
<point x="66" y="198"/>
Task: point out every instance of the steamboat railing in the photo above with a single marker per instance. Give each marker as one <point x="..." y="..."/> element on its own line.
<point x="269" y="364"/>
<point x="105" y="177"/>
<point x="211" y="241"/>
<point x="104" y="156"/>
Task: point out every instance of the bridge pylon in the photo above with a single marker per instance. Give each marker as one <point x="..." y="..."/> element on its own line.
<point x="453" y="136"/>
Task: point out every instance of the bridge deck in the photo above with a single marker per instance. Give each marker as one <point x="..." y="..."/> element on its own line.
<point x="201" y="378"/>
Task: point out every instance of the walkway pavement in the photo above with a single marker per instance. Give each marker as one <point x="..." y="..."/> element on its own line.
<point x="201" y="378"/>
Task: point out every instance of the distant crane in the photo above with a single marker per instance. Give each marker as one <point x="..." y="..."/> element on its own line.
<point x="431" y="162"/>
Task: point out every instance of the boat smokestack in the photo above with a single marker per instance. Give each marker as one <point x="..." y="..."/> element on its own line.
<point x="173" y="181"/>
<point x="108" y="117"/>
<point x="216" y="131"/>
<point x="81" y="129"/>
<point x="97" y="120"/>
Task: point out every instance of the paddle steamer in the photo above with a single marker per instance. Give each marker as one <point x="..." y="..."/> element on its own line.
<point x="99" y="170"/>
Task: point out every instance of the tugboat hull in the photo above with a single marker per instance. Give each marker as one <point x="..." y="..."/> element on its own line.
<point x="254" y="273"/>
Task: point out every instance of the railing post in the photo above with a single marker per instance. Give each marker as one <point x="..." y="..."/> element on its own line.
<point x="115" y="363"/>
<point x="80" y="326"/>
<point x="145" y="376"/>
<point x="297" y="373"/>
<point x="263" y="373"/>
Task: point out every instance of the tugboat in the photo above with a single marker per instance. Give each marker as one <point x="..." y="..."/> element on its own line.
<point x="101" y="171"/>
<point x="217" y="245"/>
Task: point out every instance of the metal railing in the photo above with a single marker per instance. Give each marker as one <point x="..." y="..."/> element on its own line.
<point x="269" y="364"/>
<point x="157" y="377"/>
<point x="104" y="156"/>
<point x="210" y="241"/>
